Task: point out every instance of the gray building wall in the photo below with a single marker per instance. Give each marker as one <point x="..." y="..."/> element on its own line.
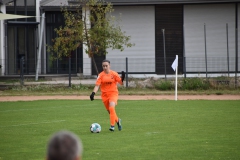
<point x="215" y="17"/>
<point x="139" y="23"/>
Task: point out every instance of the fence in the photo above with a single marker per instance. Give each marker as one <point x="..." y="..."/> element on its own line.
<point x="186" y="66"/>
<point x="209" y="67"/>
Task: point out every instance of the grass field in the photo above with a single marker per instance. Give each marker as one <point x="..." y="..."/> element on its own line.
<point x="154" y="130"/>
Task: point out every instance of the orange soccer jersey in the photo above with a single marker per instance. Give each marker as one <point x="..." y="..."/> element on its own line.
<point x="108" y="82"/>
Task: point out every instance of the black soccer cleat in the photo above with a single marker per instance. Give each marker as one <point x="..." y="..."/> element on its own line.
<point x="111" y="128"/>
<point x="119" y="123"/>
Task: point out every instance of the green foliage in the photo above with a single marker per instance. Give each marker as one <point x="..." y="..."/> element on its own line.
<point x="222" y="78"/>
<point x="219" y="93"/>
<point x="164" y="85"/>
<point x="50" y="88"/>
<point x="69" y="37"/>
<point x="89" y="23"/>
<point x="81" y="87"/>
<point x="222" y="82"/>
<point x="194" y="84"/>
<point x="136" y="86"/>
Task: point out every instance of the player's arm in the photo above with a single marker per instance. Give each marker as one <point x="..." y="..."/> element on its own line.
<point x="119" y="79"/>
<point x="120" y="82"/>
<point x="95" y="89"/>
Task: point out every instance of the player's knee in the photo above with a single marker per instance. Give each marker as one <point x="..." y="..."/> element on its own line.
<point x="112" y="104"/>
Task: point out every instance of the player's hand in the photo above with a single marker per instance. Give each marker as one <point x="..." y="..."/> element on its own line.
<point x="92" y="96"/>
<point x="123" y="76"/>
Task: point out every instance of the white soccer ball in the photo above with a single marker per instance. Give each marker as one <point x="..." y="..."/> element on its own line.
<point x="95" y="128"/>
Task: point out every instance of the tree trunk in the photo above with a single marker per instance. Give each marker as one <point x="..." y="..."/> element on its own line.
<point x="95" y="65"/>
<point x="69" y="71"/>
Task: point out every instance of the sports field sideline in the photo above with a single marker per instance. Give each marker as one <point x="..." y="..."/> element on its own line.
<point x="125" y="97"/>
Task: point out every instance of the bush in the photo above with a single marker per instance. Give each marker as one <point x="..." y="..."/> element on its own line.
<point x="81" y="87"/>
<point x="50" y="88"/>
<point x="194" y="84"/>
<point x="221" y="82"/>
<point x="163" y="85"/>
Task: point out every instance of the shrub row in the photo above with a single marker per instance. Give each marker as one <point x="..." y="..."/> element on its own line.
<point x="160" y="84"/>
<point x="194" y="84"/>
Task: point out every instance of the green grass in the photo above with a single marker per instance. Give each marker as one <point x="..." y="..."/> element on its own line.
<point x="166" y="130"/>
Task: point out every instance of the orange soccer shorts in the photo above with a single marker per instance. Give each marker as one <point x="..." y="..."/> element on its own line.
<point x="109" y="97"/>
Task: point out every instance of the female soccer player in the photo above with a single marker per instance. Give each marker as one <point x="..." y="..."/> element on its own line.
<point x="107" y="80"/>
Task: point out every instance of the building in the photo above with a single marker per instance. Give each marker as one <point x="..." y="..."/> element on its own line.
<point x="203" y="33"/>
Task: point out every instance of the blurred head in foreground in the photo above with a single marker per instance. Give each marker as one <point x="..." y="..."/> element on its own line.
<point x="64" y="145"/>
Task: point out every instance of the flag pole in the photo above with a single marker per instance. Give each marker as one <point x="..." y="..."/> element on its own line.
<point x="176" y="79"/>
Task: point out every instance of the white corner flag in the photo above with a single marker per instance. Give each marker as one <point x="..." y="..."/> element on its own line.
<point x="175" y="68"/>
<point x="175" y="63"/>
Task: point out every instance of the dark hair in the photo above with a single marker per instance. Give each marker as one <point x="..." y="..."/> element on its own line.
<point x="105" y="60"/>
<point x="64" y="145"/>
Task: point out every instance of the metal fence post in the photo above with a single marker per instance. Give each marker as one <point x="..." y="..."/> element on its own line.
<point x="69" y="72"/>
<point x="205" y="49"/>
<point x="165" y="71"/>
<point x="184" y="66"/>
<point x="126" y="72"/>
<point x="236" y="45"/>
<point x="184" y="54"/>
<point x="21" y="71"/>
<point x="227" y="49"/>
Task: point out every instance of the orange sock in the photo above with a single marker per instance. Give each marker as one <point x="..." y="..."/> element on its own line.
<point x="113" y="116"/>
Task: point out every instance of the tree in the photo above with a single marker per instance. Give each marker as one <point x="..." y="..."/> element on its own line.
<point x="89" y="23"/>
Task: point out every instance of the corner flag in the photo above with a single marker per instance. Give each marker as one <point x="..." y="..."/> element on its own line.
<point x="175" y="63"/>
<point x="174" y="67"/>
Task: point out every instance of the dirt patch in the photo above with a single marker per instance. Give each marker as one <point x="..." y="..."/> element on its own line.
<point x="125" y="97"/>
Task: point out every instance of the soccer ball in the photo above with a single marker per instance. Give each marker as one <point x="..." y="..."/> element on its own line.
<point x="95" y="128"/>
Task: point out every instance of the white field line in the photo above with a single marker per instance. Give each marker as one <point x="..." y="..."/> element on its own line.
<point x="57" y="121"/>
<point x="47" y="108"/>
<point x="92" y="104"/>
